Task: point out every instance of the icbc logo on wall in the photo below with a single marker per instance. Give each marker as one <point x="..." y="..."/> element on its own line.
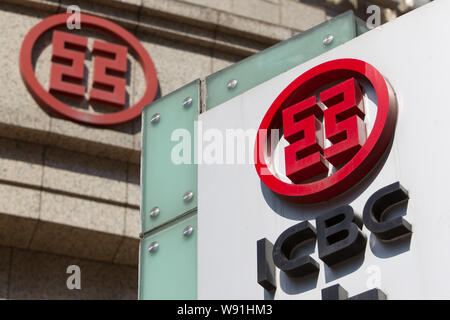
<point x="68" y="74"/>
<point x="326" y="104"/>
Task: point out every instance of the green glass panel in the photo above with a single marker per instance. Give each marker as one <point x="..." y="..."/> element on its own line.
<point x="163" y="181"/>
<point x="279" y="58"/>
<point x="171" y="271"/>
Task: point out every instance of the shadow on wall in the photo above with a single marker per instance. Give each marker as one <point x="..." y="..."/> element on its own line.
<point x="332" y="8"/>
<point x="298" y="211"/>
<point x="383" y="250"/>
<point x="26" y="274"/>
<point x="301" y="212"/>
<point x="298" y="285"/>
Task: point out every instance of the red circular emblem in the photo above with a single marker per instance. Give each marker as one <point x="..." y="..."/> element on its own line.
<point x="74" y="69"/>
<point x="326" y="104"/>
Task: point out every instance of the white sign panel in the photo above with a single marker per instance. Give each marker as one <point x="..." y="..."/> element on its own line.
<point x="236" y="209"/>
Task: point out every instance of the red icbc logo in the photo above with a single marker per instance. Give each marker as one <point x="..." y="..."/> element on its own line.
<point x="326" y="102"/>
<point x="68" y="70"/>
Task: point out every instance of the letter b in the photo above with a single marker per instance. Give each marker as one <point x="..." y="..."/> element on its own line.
<point x="339" y="236"/>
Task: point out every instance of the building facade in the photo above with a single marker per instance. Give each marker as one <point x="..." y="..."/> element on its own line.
<point x="69" y="192"/>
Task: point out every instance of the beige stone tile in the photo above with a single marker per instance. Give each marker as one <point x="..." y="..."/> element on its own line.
<point x="191" y="62"/>
<point x="137" y="141"/>
<point x="300" y="16"/>
<point x="132" y="223"/>
<point x="19" y="211"/>
<point x="82" y="213"/>
<point x="75" y="242"/>
<point x="18" y="201"/>
<point x="183" y="10"/>
<point x="128" y="253"/>
<point x="17" y="107"/>
<point x="132" y="5"/>
<point x="137" y="93"/>
<point x="243" y="30"/>
<point x="179" y="29"/>
<point x="19" y="110"/>
<point x="135" y="157"/>
<point x="21" y="162"/>
<point x="36" y="275"/>
<point x="257" y="9"/>
<point x="254" y="29"/>
<point x="226" y="42"/>
<point x="135" y="96"/>
<point x="50" y="5"/>
<point x="5" y="260"/>
<point x="108" y="144"/>
<point x="69" y="134"/>
<point x="16" y="231"/>
<point x="133" y="189"/>
<point x="222" y="60"/>
<point x="121" y="12"/>
<point x="225" y="5"/>
<point x="86" y="175"/>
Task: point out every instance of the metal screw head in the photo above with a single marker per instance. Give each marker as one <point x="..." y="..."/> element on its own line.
<point x="232" y="84"/>
<point x="187" y="102"/>
<point x="153" y="247"/>
<point x="188" y="196"/>
<point x="188" y="231"/>
<point x="154" y="212"/>
<point x="328" y="39"/>
<point x="155" y="118"/>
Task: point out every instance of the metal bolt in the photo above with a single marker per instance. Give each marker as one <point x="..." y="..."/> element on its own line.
<point x="232" y="84"/>
<point x="328" y="39"/>
<point x="187" y="102"/>
<point x="155" y="118"/>
<point x="153" y="247"/>
<point x="188" y="196"/>
<point x="188" y="231"/>
<point x="154" y="212"/>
